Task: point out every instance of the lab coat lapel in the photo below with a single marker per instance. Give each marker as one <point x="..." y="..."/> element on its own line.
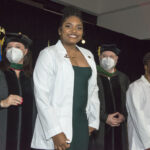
<point x="62" y="51"/>
<point x="87" y="57"/>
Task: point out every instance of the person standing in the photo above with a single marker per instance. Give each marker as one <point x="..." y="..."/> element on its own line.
<point x="113" y="84"/>
<point x="66" y="90"/>
<point x="138" y="106"/>
<point x="17" y="107"/>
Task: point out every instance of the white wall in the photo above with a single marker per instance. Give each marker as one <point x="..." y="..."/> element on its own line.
<point x="134" y="22"/>
<point x="86" y="5"/>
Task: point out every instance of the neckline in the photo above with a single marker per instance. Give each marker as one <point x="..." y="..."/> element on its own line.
<point x="81" y="67"/>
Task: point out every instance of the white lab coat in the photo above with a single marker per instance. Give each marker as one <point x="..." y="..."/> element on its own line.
<point x="54" y="83"/>
<point x="138" y="107"/>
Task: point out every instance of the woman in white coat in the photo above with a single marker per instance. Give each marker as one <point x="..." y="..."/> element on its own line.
<point x="66" y="91"/>
<point x="138" y="106"/>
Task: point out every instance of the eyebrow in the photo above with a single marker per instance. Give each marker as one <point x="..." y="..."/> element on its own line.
<point x="72" y="23"/>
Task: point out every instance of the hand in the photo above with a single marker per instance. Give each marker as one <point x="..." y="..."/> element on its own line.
<point x="147" y="149"/>
<point x="11" y="100"/>
<point x="60" y="141"/>
<point x="91" y="130"/>
<point x="121" y="118"/>
<point x="112" y="120"/>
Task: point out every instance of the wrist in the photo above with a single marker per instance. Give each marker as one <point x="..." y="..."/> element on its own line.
<point x="1" y="105"/>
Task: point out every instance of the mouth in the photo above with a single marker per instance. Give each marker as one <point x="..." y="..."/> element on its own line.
<point x="73" y="36"/>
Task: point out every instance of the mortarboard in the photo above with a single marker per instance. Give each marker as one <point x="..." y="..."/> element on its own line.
<point x="17" y="37"/>
<point x="110" y="47"/>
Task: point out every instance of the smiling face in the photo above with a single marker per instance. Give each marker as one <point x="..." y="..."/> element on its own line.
<point x="71" y="30"/>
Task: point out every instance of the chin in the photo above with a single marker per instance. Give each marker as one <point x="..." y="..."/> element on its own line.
<point x="72" y="42"/>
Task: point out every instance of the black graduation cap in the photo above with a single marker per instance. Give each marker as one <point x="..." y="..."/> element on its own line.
<point x="110" y="47"/>
<point x="17" y="37"/>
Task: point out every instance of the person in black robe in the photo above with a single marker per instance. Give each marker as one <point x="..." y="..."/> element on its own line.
<point x="113" y="84"/>
<point x="17" y="107"/>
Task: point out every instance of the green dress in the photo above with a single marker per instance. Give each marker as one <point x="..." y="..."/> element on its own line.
<point x="80" y="122"/>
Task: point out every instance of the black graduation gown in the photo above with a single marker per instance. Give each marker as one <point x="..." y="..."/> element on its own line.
<point x="21" y="118"/>
<point x="112" y="94"/>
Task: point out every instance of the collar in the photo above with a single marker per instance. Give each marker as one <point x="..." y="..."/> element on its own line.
<point x="145" y="80"/>
<point x="15" y="66"/>
<point x="63" y="51"/>
<point x="105" y="73"/>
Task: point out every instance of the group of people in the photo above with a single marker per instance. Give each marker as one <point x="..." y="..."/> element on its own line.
<point x="70" y="103"/>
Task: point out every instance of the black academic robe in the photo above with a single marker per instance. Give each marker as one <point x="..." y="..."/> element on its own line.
<point x="19" y="120"/>
<point x="112" y="94"/>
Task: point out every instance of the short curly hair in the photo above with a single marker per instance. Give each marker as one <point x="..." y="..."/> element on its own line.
<point x="146" y="58"/>
<point x="68" y="12"/>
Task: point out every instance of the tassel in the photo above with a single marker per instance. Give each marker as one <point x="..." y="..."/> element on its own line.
<point x="48" y="43"/>
<point x="2" y="38"/>
<point x="99" y="49"/>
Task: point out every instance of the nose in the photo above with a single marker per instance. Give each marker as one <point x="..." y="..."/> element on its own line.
<point x="74" y="29"/>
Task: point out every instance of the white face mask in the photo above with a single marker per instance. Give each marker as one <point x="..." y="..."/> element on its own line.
<point x="107" y="63"/>
<point x="14" y="55"/>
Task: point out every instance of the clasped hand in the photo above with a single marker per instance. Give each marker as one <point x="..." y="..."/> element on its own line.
<point x="115" y="119"/>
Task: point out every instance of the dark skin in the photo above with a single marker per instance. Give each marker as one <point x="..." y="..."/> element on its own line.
<point x="71" y="33"/>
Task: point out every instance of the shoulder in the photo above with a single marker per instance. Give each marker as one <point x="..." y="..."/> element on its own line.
<point x="124" y="80"/>
<point x="48" y="50"/>
<point x="84" y="50"/>
<point x="123" y="76"/>
<point x="136" y="84"/>
<point x="47" y="53"/>
<point x="56" y="49"/>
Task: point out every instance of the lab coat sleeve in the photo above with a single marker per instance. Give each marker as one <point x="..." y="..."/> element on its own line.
<point x="140" y="115"/>
<point x="43" y="86"/>
<point x="93" y="111"/>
